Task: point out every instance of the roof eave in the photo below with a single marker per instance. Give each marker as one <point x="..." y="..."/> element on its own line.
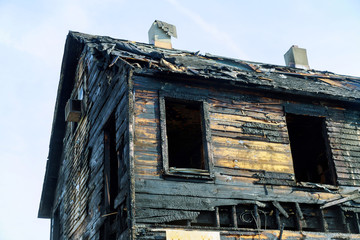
<point x="73" y="48"/>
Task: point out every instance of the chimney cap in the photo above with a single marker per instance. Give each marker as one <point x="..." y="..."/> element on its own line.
<point x="296" y="57"/>
<point x="169" y="29"/>
<point x="160" y="34"/>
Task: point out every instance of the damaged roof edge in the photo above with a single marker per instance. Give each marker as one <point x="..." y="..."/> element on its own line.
<point x="72" y="50"/>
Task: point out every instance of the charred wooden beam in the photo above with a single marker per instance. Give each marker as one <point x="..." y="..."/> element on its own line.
<point x="324" y="226"/>
<point x="234" y="216"/>
<point x="299" y="216"/>
<point x="280" y="208"/>
<point x="330" y="203"/>
<point x="217" y="217"/>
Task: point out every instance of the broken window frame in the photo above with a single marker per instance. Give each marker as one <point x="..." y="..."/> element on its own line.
<point x="316" y="112"/>
<point x="207" y="173"/>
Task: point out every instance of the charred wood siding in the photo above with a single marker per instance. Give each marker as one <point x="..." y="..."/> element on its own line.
<point x="250" y="135"/>
<point x="77" y="172"/>
<point x="251" y="151"/>
<point x="344" y="130"/>
<point x="80" y="193"/>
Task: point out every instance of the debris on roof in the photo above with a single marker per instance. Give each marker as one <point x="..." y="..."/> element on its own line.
<point x="260" y="75"/>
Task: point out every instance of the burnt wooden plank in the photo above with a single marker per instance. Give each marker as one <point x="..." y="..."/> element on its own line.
<point x="208" y="190"/>
<point x="259" y="137"/>
<point x="150" y="215"/>
<point x="344" y="147"/>
<point x="264" y="116"/>
<point x="344" y="142"/>
<point x="305" y="109"/>
<point x="223" y="141"/>
<point x="349" y="169"/>
<point x="336" y="152"/>
<point x="164" y="201"/>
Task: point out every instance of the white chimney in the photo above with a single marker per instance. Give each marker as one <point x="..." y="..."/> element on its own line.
<point x="160" y="34"/>
<point x="296" y="57"/>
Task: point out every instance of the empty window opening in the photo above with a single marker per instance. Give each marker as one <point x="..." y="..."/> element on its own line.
<point x="184" y="134"/>
<point x="312" y="218"/>
<point x="246" y="216"/>
<point x="290" y="222"/>
<point x="309" y="146"/>
<point x="205" y="219"/>
<point x="352" y="220"/>
<point x="335" y="219"/>
<point x="225" y="216"/>
<point x="111" y="164"/>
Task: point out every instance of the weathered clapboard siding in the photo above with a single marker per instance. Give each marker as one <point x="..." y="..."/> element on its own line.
<point x="157" y="200"/>
<point x="343" y="132"/>
<point x="147" y="148"/>
<point x="249" y="142"/>
<point x="243" y="127"/>
<point x="263" y="122"/>
<point x="82" y="198"/>
<point x="111" y="97"/>
<point x="73" y="192"/>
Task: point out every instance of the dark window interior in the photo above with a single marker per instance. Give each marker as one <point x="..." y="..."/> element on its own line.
<point x="312" y="218"/>
<point x="309" y="149"/>
<point x="184" y="134"/>
<point x="111" y="163"/>
<point x="204" y="219"/>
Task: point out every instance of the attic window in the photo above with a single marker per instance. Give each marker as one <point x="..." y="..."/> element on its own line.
<point x="185" y="144"/>
<point x="309" y="149"/>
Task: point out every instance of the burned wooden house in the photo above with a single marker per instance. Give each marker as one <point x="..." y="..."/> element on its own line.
<point x="156" y="143"/>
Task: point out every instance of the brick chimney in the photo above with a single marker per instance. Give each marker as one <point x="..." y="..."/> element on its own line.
<point x="296" y="57"/>
<point x="160" y="34"/>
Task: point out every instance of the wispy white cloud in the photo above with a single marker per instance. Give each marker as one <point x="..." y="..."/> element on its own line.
<point x="42" y="38"/>
<point x="222" y="37"/>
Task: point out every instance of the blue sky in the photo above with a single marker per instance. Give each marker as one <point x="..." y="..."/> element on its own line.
<point x="32" y="37"/>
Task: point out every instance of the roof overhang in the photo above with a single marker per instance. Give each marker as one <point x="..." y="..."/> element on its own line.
<point x="72" y="51"/>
